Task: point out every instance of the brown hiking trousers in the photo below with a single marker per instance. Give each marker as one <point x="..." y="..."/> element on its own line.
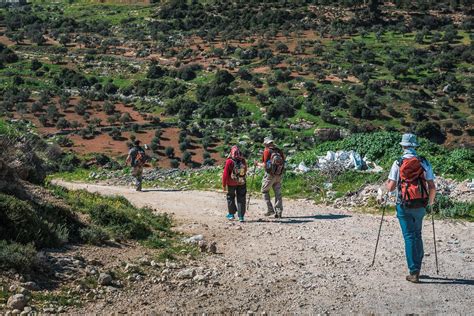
<point x="272" y="182"/>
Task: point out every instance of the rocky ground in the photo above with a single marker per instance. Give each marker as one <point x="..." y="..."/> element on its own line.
<point x="314" y="260"/>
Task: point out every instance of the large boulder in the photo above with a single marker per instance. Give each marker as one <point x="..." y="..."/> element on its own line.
<point x="17" y="301"/>
<point x="325" y="134"/>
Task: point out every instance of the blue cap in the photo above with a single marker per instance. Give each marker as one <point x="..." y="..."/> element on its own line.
<point x="409" y="140"/>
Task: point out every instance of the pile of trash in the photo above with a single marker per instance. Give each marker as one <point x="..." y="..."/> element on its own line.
<point x="340" y="161"/>
<point x="457" y="191"/>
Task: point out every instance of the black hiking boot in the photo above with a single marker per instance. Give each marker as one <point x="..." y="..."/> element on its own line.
<point x="269" y="213"/>
<point x="413" y="277"/>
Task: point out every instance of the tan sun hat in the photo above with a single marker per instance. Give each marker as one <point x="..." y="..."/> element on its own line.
<point x="268" y="140"/>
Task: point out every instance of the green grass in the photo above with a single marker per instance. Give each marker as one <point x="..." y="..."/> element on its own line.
<point x="63" y="297"/>
<point x="4" y="294"/>
<point x="122" y="221"/>
<point x="79" y="174"/>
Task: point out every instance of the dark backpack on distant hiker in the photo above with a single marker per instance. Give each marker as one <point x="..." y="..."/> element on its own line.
<point x="138" y="157"/>
<point x="412" y="183"/>
<point x="238" y="172"/>
<point x="276" y="164"/>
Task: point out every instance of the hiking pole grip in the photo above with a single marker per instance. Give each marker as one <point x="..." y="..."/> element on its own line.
<point x="380" y="229"/>
<point x="251" y="185"/>
<point x="434" y="238"/>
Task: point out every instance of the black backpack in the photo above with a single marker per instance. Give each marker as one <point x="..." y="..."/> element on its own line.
<point x="276" y="164"/>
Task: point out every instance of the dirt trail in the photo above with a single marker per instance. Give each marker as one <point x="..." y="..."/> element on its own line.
<point x="314" y="260"/>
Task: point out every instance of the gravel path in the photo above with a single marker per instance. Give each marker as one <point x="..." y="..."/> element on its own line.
<point x="314" y="260"/>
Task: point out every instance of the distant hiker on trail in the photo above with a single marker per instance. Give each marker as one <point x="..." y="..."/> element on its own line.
<point x="273" y="160"/>
<point x="137" y="158"/>
<point x="234" y="183"/>
<point x="413" y="178"/>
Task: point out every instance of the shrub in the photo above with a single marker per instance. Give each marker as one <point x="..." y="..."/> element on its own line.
<point x="183" y="146"/>
<point x="174" y="163"/>
<point x="118" y="222"/>
<point x="169" y="152"/>
<point x="448" y="208"/>
<point x="282" y="107"/>
<point x="17" y="256"/>
<point x="209" y="162"/>
<point x="42" y="225"/>
<point x="187" y="157"/>
<point x="109" y="108"/>
<point x="94" y="235"/>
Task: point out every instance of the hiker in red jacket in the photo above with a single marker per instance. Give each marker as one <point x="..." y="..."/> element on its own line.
<point x="273" y="160"/>
<point x="234" y="183"/>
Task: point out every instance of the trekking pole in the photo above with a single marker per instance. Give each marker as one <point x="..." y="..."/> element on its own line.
<point x="251" y="185"/>
<point x="380" y="229"/>
<point x="434" y="238"/>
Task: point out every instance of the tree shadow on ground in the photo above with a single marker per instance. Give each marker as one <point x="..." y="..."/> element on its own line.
<point x="323" y="216"/>
<point x="281" y="221"/>
<point x="437" y="280"/>
<point x="161" y="190"/>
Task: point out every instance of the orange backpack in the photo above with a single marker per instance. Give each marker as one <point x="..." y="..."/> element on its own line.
<point x="412" y="184"/>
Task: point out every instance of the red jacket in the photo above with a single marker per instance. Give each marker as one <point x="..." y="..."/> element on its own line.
<point x="227" y="174"/>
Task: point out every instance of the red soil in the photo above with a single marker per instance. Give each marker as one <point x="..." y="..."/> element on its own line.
<point x="103" y="143"/>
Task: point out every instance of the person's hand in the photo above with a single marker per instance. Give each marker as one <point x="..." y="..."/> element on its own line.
<point x="381" y="195"/>
<point x="224" y="188"/>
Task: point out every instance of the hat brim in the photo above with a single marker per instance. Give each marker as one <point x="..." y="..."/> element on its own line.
<point x="268" y="142"/>
<point x="409" y="144"/>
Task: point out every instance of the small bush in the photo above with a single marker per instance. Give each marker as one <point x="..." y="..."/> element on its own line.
<point x="447" y="207"/>
<point x="42" y="225"/>
<point x="118" y="222"/>
<point x="174" y="163"/>
<point x="93" y="235"/>
<point x="17" y="256"/>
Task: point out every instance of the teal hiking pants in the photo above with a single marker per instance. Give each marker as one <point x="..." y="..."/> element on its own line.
<point x="411" y="223"/>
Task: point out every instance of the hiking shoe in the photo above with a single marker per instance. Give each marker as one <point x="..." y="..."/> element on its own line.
<point x="241" y="219"/>
<point x="277" y="215"/>
<point x="269" y="213"/>
<point x="230" y="216"/>
<point x="414" y="278"/>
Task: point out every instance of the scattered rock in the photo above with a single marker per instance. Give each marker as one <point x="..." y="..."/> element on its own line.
<point x="171" y="265"/>
<point x="17" y="301"/>
<point x="186" y="274"/>
<point x="200" y="278"/>
<point x="144" y="261"/>
<point x="91" y="270"/>
<point x="131" y="268"/>
<point x="194" y="239"/>
<point x="213" y="247"/>
<point x="104" y="279"/>
<point x="32" y="286"/>
<point x="202" y="245"/>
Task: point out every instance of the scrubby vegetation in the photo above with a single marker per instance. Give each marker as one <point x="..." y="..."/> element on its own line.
<point x="234" y="69"/>
<point x="36" y="217"/>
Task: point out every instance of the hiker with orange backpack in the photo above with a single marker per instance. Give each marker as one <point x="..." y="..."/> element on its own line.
<point x="413" y="178"/>
<point x="234" y="183"/>
<point x="273" y="160"/>
<point x="137" y="158"/>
